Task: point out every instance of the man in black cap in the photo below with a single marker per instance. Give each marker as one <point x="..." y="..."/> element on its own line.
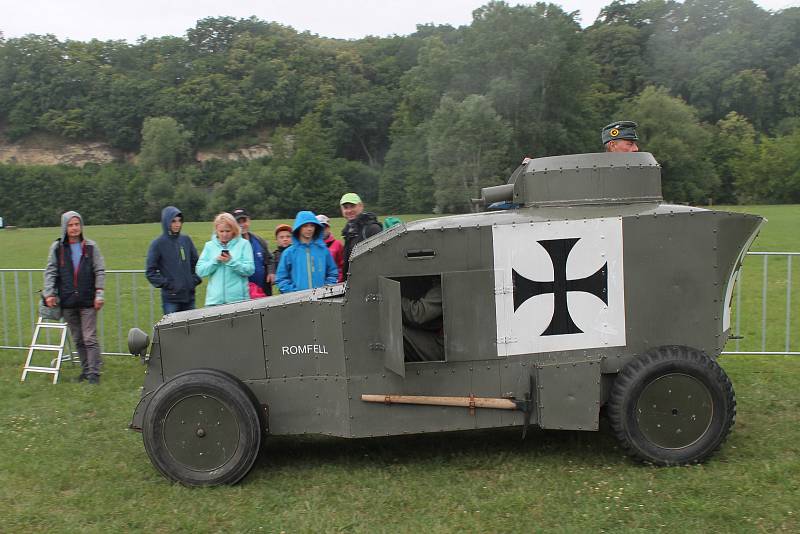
<point x="264" y="274"/>
<point x="620" y="136"/>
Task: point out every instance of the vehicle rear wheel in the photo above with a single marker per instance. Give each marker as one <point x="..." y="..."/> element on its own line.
<point x="672" y="406"/>
<point x="202" y="428"/>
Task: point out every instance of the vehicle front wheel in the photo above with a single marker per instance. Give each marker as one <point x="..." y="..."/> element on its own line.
<point x="202" y="428"/>
<point x="672" y="406"/>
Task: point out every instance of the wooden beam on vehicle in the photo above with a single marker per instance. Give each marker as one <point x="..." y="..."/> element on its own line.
<point x="464" y="402"/>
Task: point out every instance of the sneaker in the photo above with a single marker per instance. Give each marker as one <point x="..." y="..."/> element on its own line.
<point x="94" y="379"/>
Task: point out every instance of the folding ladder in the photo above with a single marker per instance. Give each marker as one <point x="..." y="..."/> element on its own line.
<point x="55" y="363"/>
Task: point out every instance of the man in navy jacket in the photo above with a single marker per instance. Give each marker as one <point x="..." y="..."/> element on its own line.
<point x="171" y="261"/>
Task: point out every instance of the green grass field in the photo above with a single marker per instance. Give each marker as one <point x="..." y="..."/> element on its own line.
<point x="69" y="464"/>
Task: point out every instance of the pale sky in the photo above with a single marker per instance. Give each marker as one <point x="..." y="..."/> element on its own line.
<point x="84" y="20"/>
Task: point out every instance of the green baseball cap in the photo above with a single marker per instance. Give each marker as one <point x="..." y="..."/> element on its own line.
<point x="619" y="130"/>
<point x="350" y="198"/>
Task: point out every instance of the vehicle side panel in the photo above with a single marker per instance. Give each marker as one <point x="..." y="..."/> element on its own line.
<point x="304" y="339"/>
<point x="231" y="344"/>
<point x="307" y="405"/>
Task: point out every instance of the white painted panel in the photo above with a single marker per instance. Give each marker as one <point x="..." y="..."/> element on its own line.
<point x="530" y="250"/>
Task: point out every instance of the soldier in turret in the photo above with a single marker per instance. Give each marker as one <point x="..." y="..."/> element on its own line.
<point x="620" y="136"/>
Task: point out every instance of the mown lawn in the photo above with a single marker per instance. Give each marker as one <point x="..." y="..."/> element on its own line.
<point x="69" y="464"/>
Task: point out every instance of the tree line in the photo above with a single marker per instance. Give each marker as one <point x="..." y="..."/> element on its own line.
<point x="415" y="124"/>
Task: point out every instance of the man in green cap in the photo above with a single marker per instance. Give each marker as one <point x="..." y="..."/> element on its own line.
<point x="620" y="136"/>
<point x="360" y="225"/>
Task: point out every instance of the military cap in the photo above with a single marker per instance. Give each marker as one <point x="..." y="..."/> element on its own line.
<point x="619" y="130"/>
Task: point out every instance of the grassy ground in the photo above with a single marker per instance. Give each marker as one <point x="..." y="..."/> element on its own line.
<point x="69" y="464"/>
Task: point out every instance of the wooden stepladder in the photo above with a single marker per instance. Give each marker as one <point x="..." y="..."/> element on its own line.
<point x="43" y="325"/>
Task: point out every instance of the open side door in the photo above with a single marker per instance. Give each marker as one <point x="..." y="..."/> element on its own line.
<point x="391" y="325"/>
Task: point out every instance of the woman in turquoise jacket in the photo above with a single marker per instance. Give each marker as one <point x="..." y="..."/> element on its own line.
<point x="227" y="261"/>
<point x="307" y="263"/>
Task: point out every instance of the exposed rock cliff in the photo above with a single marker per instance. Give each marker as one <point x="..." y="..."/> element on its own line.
<point x="47" y="150"/>
<point x="244" y="153"/>
<point x="29" y="152"/>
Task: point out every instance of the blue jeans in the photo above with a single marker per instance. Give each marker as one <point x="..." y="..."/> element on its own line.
<point x="172" y="307"/>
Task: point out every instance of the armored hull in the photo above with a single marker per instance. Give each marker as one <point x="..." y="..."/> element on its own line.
<point x="543" y="306"/>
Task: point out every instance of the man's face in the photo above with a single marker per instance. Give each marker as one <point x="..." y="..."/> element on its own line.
<point x="244" y="224"/>
<point x="307" y="232"/>
<point x="351" y="211"/>
<point x="74" y="228"/>
<point x="175" y="225"/>
<point x="623" y="145"/>
<point x="284" y="238"/>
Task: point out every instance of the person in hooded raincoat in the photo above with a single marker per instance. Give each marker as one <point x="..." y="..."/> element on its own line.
<point x="307" y="263"/>
<point x="74" y="278"/>
<point x="171" y="262"/>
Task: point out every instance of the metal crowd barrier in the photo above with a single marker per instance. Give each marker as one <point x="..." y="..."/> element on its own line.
<point x="745" y="336"/>
<point x="130" y="301"/>
<point x="761" y="317"/>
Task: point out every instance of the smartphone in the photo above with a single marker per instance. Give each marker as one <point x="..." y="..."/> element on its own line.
<point x="225" y="252"/>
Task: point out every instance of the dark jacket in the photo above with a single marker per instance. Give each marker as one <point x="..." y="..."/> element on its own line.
<point x="171" y="261"/>
<point x="276" y="256"/>
<point x="263" y="265"/>
<point x="75" y="288"/>
<point x="355" y="231"/>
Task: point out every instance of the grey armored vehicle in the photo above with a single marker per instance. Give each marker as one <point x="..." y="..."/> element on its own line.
<point x="591" y="293"/>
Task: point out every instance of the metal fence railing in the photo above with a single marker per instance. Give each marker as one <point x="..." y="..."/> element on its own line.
<point x="762" y="317"/>
<point x="130" y="301"/>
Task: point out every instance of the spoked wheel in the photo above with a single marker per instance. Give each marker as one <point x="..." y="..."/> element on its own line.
<point x="202" y="428"/>
<point x="672" y="406"/>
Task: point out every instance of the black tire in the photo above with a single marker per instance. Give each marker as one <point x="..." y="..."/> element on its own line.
<point x="202" y="428"/>
<point x="672" y="406"/>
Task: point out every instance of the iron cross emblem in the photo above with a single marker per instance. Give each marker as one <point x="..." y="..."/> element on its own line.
<point x="595" y="284"/>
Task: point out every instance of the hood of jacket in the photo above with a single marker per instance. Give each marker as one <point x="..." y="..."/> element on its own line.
<point x="367" y="217"/>
<point x="65" y="217"/>
<point x="167" y="214"/>
<point x="305" y="217"/>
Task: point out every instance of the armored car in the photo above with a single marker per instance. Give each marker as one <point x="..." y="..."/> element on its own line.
<point x="590" y="292"/>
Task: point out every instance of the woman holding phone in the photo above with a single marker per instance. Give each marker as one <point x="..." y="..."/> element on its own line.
<point x="227" y="261"/>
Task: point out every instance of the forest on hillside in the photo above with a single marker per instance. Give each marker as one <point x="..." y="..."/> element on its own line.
<point x="415" y="124"/>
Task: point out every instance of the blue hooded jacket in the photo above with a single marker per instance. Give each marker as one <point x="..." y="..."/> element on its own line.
<point x="306" y="265"/>
<point x="171" y="261"/>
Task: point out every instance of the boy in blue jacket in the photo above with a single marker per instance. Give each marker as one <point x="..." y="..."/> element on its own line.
<point x="307" y="263"/>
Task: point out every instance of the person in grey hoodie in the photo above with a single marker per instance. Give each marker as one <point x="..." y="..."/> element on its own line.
<point x="171" y="261"/>
<point x="75" y="277"/>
